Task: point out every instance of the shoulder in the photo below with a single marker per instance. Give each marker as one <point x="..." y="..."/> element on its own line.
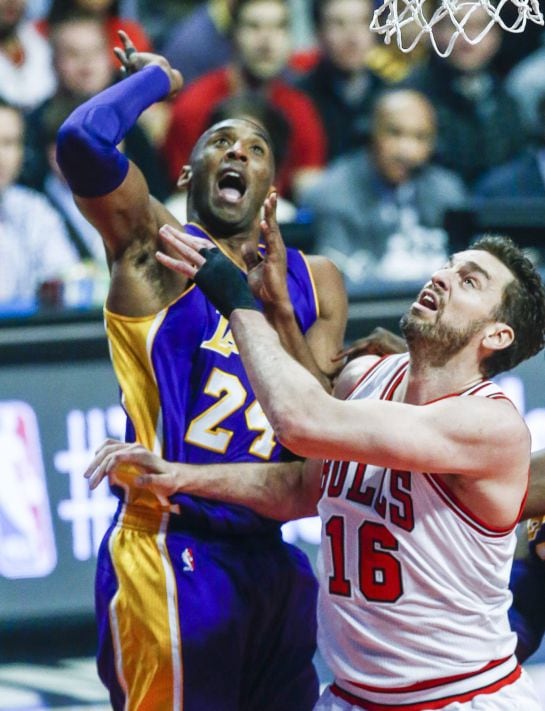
<point x="29" y="32"/>
<point x="207" y="87"/>
<point x="291" y="97"/>
<point x="442" y="180"/>
<point x="323" y="270"/>
<point x="23" y="198"/>
<point x="529" y="69"/>
<point x="498" y="182"/>
<point x="329" y="286"/>
<point x="337" y="175"/>
<point x="352" y="373"/>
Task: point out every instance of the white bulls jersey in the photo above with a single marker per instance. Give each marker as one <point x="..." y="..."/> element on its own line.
<point x="413" y="587"/>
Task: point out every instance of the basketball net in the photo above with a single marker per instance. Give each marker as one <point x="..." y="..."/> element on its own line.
<point x="409" y="20"/>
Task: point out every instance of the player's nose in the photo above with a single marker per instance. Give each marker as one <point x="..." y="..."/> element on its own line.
<point x="238" y="151"/>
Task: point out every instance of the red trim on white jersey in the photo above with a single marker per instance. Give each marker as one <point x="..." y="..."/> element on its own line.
<point x="449" y="497"/>
<point x="440" y="703"/>
<point x="463" y="512"/>
<point x="393" y="380"/>
<point x="433" y="683"/>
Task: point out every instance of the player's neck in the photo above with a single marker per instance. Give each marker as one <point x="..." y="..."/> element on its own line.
<point x="231" y="245"/>
<point x="425" y="382"/>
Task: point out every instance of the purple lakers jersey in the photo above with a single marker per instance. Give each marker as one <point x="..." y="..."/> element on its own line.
<point x="188" y="398"/>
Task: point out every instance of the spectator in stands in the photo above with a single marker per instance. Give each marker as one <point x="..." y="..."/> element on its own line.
<point x="107" y="13"/>
<point x="26" y="71"/>
<point x="341" y="85"/>
<point x="259" y="110"/>
<point x="378" y="212"/>
<point x="34" y="245"/>
<point x="261" y="36"/>
<point x="526" y="84"/>
<point x="82" y="62"/>
<point x="523" y="177"/>
<point x="479" y="125"/>
<point x="201" y="41"/>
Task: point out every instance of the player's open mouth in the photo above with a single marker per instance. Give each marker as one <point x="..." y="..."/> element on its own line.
<point x="231" y="186"/>
<point x="429" y="300"/>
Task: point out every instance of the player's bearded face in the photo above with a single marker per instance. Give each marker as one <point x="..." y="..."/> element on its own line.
<point x="437" y="341"/>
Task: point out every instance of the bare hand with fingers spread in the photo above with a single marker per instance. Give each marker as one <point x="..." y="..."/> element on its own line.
<point x="131" y="463"/>
<point x="133" y="61"/>
<point x="221" y="281"/>
<point x="267" y="273"/>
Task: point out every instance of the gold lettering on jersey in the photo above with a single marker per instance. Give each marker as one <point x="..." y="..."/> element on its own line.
<point x="222" y="341"/>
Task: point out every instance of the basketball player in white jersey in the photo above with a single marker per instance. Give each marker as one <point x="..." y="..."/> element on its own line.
<point x="423" y="476"/>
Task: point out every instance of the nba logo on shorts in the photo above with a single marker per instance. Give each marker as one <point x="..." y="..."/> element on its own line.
<point x="27" y="545"/>
<point x="188" y="560"/>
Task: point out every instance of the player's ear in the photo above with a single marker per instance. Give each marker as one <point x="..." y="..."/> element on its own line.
<point x="498" y="336"/>
<point x="184" y="178"/>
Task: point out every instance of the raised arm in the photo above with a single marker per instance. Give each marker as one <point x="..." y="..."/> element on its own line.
<point x="109" y="189"/>
<point x="391" y="434"/>
<point x="267" y="278"/>
<point x="282" y="491"/>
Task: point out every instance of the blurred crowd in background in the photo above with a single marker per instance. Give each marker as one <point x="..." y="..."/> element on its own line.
<point x="373" y="147"/>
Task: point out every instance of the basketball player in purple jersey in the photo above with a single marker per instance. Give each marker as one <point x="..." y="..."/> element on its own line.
<point x="200" y="605"/>
<point x="424" y="478"/>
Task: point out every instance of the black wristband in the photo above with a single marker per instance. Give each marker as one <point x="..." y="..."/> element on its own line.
<point x="222" y="283"/>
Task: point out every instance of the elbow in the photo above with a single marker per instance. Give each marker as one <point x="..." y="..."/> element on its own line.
<point x="72" y="139"/>
<point x="295" y="430"/>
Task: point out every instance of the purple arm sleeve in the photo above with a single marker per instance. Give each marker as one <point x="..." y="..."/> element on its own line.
<point x="87" y="140"/>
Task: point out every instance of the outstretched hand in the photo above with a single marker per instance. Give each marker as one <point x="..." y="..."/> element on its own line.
<point x="131" y="464"/>
<point x="187" y="252"/>
<point x="267" y="274"/>
<point x="132" y="61"/>
<point x="216" y="276"/>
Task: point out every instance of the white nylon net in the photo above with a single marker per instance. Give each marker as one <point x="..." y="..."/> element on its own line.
<point x="409" y="20"/>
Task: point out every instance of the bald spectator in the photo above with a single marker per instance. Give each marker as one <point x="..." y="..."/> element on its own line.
<point x="26" y="71"/>
<point x="261" y="36"/>
<point x="378" y="212"/>
<point x="341" y="85"/>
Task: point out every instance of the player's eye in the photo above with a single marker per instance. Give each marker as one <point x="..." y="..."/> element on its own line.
<point x="258" y="149"/>
<point x="221" y="141"/>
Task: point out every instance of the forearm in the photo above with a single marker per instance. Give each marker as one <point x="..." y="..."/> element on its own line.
<point x="275" y="490"/>
<point x="87" y="141"/>
<point x="284" y="322"/>
<point x="296" y="392"/>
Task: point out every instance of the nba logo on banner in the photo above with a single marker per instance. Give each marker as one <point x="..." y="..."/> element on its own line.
<point x="27" y="545"/>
